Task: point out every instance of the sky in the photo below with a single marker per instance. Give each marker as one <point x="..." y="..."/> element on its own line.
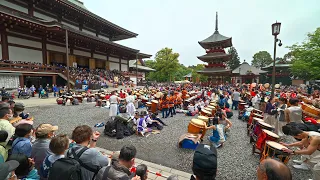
<point x="180" y="24"/>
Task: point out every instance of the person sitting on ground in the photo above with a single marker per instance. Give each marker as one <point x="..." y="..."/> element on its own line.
<point x="120" y="168"/>
<point x="5" y="115"/>
<point x="150" y="122"/>
<point x="142" y="171"/>
<point x="310" y="151"/>
<point x="142" y="124"/>
<point x="40" y="148"/>
<point x="154" y="117"/>
<point x="58" y="146"/>
<point x="218" y="132"/>
<point x="84" y="136"/>
<point x="25" y="170"/>
<point x="22" y="144"/>
<point x="270" y="169"/>
<point x="204" y="165"/>
<point x="226" y="122"/>
<point x="7" y="170"/>
<point x="3" y="150"/>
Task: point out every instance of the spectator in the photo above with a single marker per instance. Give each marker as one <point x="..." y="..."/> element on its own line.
<point x="25" y="170"/>
<point x="40" y="148"/>
<point x="173" y="177"/>
<point x="58" y="146"/>
<point x="22" y="144"/>
<point x="91" y="157"/>
<point x="204" y="163"/>
<point x="5" y="115"/>
<point x="7" y="170"/>
<point x="3" y="150"/>
<point x="142" y="171"/>
<point x="271" y="169"/>
<point x="119" y="168"/>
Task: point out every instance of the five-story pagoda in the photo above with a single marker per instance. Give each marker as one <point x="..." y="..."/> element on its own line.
<point x="216" y="56"/>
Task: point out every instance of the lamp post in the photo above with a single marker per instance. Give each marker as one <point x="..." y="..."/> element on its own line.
<point x="275" y="32"/>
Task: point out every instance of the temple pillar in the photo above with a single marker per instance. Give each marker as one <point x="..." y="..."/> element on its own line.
<point x="44" y="51"/>
<point x="21" y="80"/>
<point x="4" y="45"/>
<point x="107" y="64"/>
<point x="92" y="63"/>
<point x="72" y="59"/>
<point x="54" y="79"/>
<point x="48" y="57"/>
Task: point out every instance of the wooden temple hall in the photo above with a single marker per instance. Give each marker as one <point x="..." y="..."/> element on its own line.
<point x="53" y="31"/>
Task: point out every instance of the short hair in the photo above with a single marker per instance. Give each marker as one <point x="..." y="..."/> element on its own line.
<point x="3" y="136"/>
<point x="24" y="167"/>
<point x="81" y="134"/>
<point x="173" y="177"/>
<point x="274" y="174"/>
<point x="284" y="100"/>
<point x="23" y="129"/>
<point x="4" y="109"/>
<point x="141" y="171"/>
<point x="5" y="98"/>
<point x="293" y="101"/>
<point x="59" y="144"/>
<point x="291" y="130"/>
<point x="127" y="152"/>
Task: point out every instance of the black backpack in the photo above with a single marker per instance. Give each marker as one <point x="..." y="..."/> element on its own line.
<point x="110" y="128"/>
<point x="70" y="168"/>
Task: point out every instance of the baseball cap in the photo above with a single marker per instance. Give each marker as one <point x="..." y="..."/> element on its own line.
<point x="205" y="161"/>
<point x="7" y="167"/>
<point x="46" y="129"/>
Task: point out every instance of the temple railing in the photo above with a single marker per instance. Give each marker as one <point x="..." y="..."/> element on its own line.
<point x="30" y="67"/>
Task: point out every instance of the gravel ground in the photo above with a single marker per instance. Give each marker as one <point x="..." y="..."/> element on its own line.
<point x="234" y="158"/>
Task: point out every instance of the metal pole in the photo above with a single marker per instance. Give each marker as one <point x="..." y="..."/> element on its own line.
<point x="274" y="66"/>
<point x="137" y="69"/>
<point x="68" y="63"/>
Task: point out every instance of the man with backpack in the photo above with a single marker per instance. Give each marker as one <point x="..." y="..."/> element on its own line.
<point x="120" y="167"/>
<point x="81" y="162"/>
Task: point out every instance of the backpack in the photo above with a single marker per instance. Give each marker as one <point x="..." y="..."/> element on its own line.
<point x="110" y="128"/>
<point x="120" y="130"/>
<point x="70" y="168"/>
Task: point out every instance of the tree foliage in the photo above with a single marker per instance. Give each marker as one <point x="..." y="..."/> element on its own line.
<point x="235" y="59"/>
<point x="261" y="59"/>
<point x="306" y="57"/>
<point x="196" y="76"/>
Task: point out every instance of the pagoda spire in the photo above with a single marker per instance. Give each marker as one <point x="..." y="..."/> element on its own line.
<point x="216" y="21"/>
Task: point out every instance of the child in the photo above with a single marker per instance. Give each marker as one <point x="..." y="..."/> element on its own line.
<point x="3" y="150"/>
<point x="58" y="146"/>
<point x="26" y="170"/>
<point x="22" y="143"/>
<point x="142" y="171"/>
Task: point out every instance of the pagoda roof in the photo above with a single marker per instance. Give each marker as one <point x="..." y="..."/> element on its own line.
<point x="245" y="68"/>
<point x="211" y="56"/>
<point x="278" y="64"/>
<point x="214" y="70"/>
<point x="216" y="39"/>
<point x="188" y="75"/>
<point x="133" y="65"/>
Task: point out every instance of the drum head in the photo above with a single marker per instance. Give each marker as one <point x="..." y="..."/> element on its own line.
<point x="155" y="101"/>
<point x="264" y="124"/>
<point x="258" y="115"/>
<point x="208" y="109"/>
<point x="102" y="95"/>
<point x="198" y="122"/>
<point x="272" y="134"/>
<point x="276" y="145"/>
<point x="211" y="107"/>
<point x="203" y="118"/>
<point x="79" y="96"/>
<point x="205" y="111"/>
<point x="213" y="104"/>
<point x="149" y="103"/>
<point x="70" y="97"/>
<point x="243" y="103"/>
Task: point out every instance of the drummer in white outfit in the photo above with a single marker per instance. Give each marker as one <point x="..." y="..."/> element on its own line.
<point x="310" y="155"/>
<point x="114" y="100"/>
<point x="130" y="106"/>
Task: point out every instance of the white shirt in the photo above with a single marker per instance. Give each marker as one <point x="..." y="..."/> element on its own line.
<point x="130" y="99"/>
<point x="113" y="99"/>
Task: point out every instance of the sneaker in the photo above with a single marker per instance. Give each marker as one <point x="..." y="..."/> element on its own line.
<point x="297" y="161"/>
<point x="218" y="145"/>
<point x="303" y="166"/>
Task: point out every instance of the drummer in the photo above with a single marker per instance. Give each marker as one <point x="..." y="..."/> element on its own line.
<point x="310" y="155"/>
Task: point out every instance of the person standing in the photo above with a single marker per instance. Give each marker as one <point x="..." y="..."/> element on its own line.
<point x="281" y="117"/>
<point x="55" y="90"/>
<point x="130" y="106"/>
<point x="235" y="99"/>
<point x="114" y="101"/>
<point x="294" y="112"/>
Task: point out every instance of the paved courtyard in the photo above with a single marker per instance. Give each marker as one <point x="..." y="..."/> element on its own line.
<point x="234" y="158"/>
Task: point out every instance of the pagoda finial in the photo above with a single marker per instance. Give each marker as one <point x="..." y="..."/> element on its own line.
<point x="216" y="21"/>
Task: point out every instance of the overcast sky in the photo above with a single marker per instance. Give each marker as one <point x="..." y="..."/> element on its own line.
<point x="180" y="24"/>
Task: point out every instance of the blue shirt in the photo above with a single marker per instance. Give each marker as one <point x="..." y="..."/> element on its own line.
<point x="22" y="145"/>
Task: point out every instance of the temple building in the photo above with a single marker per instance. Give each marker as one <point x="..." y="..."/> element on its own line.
<point x="246" y="73"/>
<point x="216" y="57"/>
<point x="39" y="31"/>
<point x="188" y="77"/>
<point x="142" y="70"/>
<point x="283" y="73"/>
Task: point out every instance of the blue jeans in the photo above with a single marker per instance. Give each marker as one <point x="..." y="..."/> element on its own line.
<point x="164" y="112"/>
<point x="235" y="104"/>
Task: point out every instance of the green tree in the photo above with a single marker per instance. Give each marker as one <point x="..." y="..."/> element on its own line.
<point x="235" y="59"/>
<point x="261" y="59"/>
<point x="306" y="57"/>
<point x="196" y="75"/>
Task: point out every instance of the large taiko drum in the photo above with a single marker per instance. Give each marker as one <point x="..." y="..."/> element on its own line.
<point x="203" y="118"/>
<point x="242" y="106"/>
<point x="197" y="126"/>
<point x="79" y="97"/>
<point x="205" y="113"/>
<point x="69" y="97"/>
<point x="274" y="150"/>
<point x="257" y="111"/>
<point x="102" y="96"/>
<point x="312" y="110"/>
<point x="265" y="135"/>
<point x="148" y="105"/>
<point x="258" y="127"/>
<point x="154" y="106"/>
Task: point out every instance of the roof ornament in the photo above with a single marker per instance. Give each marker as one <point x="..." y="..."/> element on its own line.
<point x="216" y="21"/>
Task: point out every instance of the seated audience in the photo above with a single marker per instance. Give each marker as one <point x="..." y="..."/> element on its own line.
<point x="40" y="148"/>
<point x="204" y="165"/>
<point x="22" y="144"/>
<point x="5" y="115"/>
<point x="3" y="149"/>
<point x="7" y="170"/>
<point x="25" y="170"/>
<point x="91" y="157"/>
<point x="58" y="146"/>
<point x="142" y="171"/>
<point x="270" y="169"/>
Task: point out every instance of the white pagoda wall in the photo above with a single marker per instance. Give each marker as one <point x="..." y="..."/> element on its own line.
<point x="113" y="59"/>
<point x="44" y="17"/>
<point x="9" y="81"/>
<point x="124" y="67"/>
<point x="25" y="55"/>
<point x="82" y="53"/>
<point x="0" y="52"/>
<point x="114" y="66"/>
<point x="24" y="42"/>
<point x="98" y="56"/>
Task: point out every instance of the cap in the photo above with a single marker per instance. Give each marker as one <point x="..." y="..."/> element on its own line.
<point x="205" y="160"/>
<point x="7" y="167"/>
<point x="46" y="129"/>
